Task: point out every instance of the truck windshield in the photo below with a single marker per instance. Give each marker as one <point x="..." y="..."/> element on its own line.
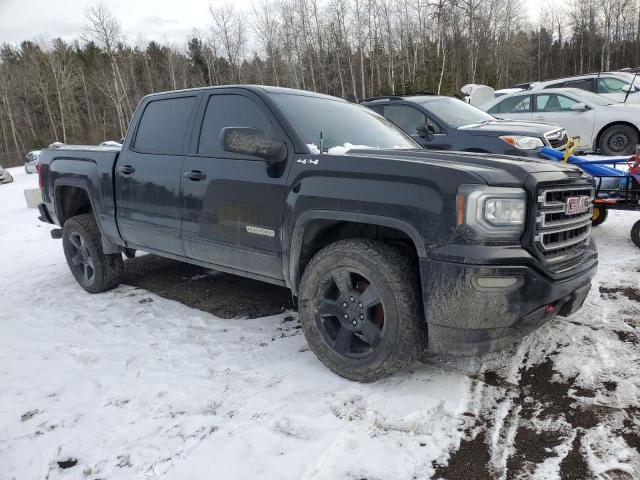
<point x="454" y="112"/>
<point x="343" y="125"/>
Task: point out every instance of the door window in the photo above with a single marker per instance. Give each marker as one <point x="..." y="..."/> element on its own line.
<point x="610" y="85"/>
<point x="229" y="111"/>
<point x="407" y="118"/>
<point x="163" y="125"/>
<point x="553" y="102"/>
<point x="520" y="104"/>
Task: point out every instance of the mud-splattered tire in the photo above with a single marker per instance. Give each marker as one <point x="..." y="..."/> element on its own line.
<point x="92" y="269"/>
<point x="383" y="337"/>
<point x="619" y="139"/>
<point x="599" y="215"/>
<point x="635" y="233"/>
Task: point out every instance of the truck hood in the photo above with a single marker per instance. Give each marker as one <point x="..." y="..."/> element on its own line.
<point x="493" y="169"/>
<point x="510" y="127"/>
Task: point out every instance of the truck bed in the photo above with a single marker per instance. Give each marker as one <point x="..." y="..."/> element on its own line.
<point x="86" y="166"/>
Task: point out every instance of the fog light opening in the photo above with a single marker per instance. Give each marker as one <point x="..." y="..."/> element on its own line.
<point x="496" y="282"/>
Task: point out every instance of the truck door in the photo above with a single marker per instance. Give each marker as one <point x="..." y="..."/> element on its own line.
<point x="232" y="204"/>
<point x="147" y="174"/>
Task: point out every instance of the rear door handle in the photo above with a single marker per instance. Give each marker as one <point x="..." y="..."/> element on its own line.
<point x="126" y="169"/>
<point x="195" y="175"/>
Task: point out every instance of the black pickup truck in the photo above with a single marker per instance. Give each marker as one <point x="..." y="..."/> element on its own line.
<point x="390" y="250"/>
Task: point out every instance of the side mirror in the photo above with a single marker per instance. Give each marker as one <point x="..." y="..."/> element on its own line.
<point x="252" y="141"/>
<point x="423" y="132"/>
<point x="579" y="107"/>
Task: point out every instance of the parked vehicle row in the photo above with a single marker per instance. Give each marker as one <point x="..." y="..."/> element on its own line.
<point x="447" y="123"/>
<point x="603" y="125"/>
<point x="390" y="249"/>
<point x="617" y="86"/>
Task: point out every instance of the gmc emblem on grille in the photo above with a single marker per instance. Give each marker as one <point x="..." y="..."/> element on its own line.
<point x="576" y="205"/>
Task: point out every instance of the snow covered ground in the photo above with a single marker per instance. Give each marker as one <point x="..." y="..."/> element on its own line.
<point x="129" y="385"/>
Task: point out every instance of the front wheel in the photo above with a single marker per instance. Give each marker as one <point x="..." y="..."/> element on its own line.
<point x="361" y="309"/>
<point x="599" y="215"/>
<point x="92" y="269"/>
<point x="635" y="233"/>
<point x="619" y="140"/>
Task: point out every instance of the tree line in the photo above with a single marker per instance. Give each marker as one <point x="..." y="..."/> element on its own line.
<point x="85" y="91"/>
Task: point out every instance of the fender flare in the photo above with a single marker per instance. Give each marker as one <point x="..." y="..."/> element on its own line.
<point x="292" y="276"/>
<point x="108" y="246"/>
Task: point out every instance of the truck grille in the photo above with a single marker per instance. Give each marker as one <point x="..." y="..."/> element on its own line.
<point x="563" y="221"/>
<point x="557" y="138"/>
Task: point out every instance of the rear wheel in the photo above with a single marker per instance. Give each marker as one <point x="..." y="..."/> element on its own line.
<point x="635" y="233"/>
<point x="360" y="309"/>
<point x="619" y="140"/>
<point x="92" y="269"/>
<point x="599" y="215"/>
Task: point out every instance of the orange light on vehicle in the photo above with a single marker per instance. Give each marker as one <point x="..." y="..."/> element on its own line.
<point x="460" y="208"/>
<point x="509" y="140"/>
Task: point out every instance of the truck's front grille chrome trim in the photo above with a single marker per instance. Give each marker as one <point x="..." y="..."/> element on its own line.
<point x="562" y="232"/>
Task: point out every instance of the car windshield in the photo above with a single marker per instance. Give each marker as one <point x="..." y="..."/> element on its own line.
<point x="343" y="125"/>
<point x="589" y="97"/>
<point x="454" y="112"/>
<point x="629" y="77"/>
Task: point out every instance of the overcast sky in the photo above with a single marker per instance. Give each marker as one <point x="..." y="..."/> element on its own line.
<point x="166" y="20"/>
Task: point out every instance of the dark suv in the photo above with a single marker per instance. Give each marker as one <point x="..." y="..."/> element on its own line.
<point x="447" y="123"/>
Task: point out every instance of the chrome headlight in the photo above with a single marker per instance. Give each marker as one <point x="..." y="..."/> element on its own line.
<point x="522" y="142"/>
<point x="491" y="212"/>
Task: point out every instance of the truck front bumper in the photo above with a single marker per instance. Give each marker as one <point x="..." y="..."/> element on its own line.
<point x="477" y="309"/>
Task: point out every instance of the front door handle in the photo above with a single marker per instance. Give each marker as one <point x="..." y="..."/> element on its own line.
<point x="126" y="169"/>
<point x="195" y="175"/>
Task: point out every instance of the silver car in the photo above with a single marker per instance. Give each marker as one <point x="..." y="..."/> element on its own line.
<point x="5" y="176"/>
<point x="31" y="162"/>
<point x="602" y="124"/>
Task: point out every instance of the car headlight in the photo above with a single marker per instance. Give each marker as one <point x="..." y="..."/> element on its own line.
<point x="485" y="212"/>
<point x="522" y="142"/>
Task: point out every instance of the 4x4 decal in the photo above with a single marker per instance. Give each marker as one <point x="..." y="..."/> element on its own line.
<point x="304" y="161"/>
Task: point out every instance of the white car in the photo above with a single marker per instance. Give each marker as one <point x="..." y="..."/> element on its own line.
<point x="612" y="128"/>
<point x="611" y="85"/>
<point x="5" y="176"/>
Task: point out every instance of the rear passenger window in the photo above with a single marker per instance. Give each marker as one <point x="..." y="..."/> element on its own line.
<point x="163" y="125"/>
<point x="229" y="111"/>
<point x="520" y="104"/>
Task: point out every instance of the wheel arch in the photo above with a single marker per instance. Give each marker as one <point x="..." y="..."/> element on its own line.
<point x="71" y="198"/>
<point x="316" y="229"/>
